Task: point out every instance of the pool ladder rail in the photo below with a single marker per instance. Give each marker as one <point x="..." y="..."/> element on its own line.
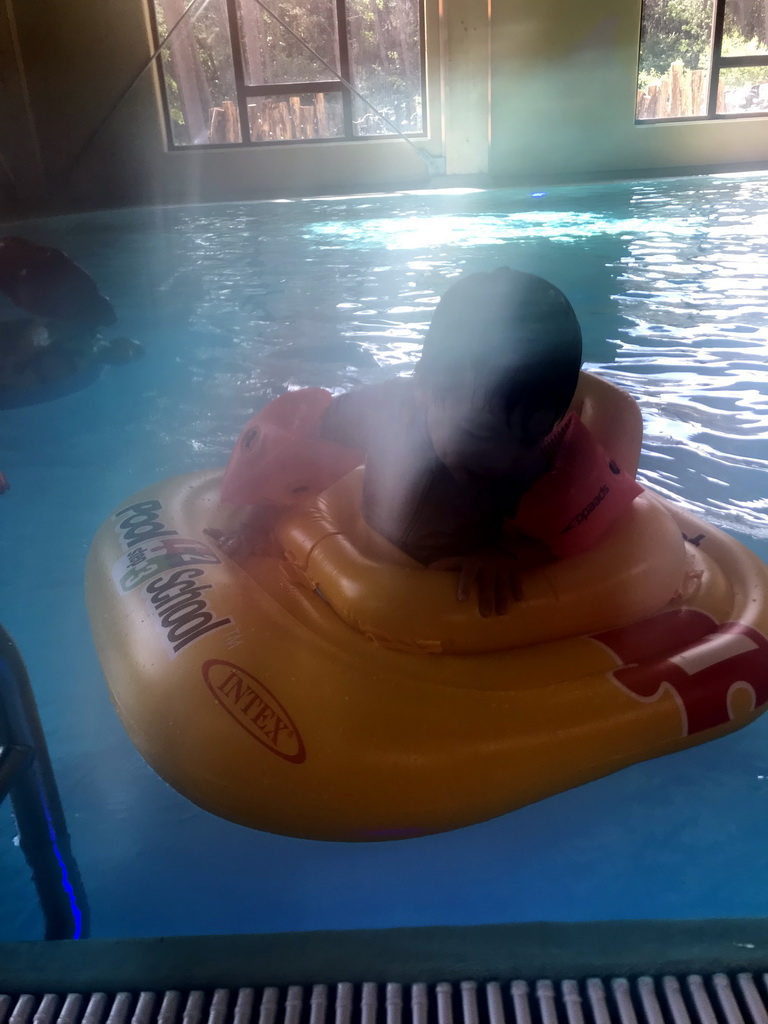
<point x="27" y="778"/>
<point x="691" y="999"/>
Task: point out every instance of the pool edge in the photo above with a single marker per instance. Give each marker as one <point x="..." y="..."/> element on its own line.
<point x="406" y="955"/>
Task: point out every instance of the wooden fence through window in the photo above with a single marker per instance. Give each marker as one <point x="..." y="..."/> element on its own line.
<point x="274" y="119"/>
<point x="681" y="92"/>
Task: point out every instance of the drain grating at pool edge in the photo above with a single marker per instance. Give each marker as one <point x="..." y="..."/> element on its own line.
<point x="691" y="999"/>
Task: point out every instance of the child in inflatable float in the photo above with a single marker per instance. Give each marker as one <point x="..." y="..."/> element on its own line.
<point x="331" y="687"/>
<point x="472" y="465"/>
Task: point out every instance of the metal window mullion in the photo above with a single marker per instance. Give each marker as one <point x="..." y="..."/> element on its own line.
<point x="715" y="61"/>
<point x="423" y="62"/>
<point x="160" y="71"/>
<point x="292" y="88"/>
<point x="236" y="45"/>
<point x="744" y="62"/>
<point x="344" y="67"/>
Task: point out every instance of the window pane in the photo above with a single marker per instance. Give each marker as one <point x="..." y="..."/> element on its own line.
<point x="316" y="115"/>
<point x="675" y="41"/>
<point x="199" y="77"/>
<point x="272" y="56"/>
<point x="742" y="91"/>
<point x="385" y="65"/>
<point x="745" y="28"/>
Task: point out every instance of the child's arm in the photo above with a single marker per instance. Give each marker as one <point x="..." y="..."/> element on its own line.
<point x="282" y="458"/>
<point x="353" y="417"/>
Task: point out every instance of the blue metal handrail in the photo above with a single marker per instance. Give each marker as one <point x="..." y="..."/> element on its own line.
<point x="26" y="776"/>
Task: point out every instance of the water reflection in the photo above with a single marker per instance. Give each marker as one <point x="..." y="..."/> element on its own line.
<point x="668" y="280"/>
<point x="238" y="302"/>
<point x="693" y="348"/>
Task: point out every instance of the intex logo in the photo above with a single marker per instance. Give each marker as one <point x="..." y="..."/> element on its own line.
<point x="255" y="708"/>
<point x="154" y="560"/>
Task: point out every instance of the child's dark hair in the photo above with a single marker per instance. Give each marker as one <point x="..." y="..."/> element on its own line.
<point x="513" y="334"/>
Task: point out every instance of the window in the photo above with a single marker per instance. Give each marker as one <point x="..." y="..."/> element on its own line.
<point x="703" y="59"/>
<point x="249" y="72"/>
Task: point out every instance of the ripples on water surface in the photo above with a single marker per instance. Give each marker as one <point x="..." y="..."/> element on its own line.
<point x="235" y="303"/>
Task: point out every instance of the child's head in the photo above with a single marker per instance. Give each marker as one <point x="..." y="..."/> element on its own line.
<point x="498" y="370"/>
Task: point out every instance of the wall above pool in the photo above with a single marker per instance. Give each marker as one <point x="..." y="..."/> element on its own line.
<point x="518" y="91"/>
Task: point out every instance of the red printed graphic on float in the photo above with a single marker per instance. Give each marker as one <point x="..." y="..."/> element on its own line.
<point x="701" y="663"/>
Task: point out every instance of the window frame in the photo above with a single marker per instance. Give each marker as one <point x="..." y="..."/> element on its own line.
<point x="716" y="64"/>
<point x="244" y="91"/>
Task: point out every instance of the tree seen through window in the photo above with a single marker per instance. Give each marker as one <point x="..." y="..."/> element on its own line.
<point x="245" y="71"/>
<point x="703" y="58"/>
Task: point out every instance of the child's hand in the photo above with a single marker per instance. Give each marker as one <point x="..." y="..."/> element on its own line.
<point x="249" y="536"/>
<point x="496" y="576"/>
<point x="236" y="544"/>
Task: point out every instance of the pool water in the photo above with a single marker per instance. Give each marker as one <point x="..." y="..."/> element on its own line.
<point x="234" y="304"/>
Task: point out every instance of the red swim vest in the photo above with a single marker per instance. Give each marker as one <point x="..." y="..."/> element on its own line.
<point x="280" y="457"/>
<point x="585" y="492"/>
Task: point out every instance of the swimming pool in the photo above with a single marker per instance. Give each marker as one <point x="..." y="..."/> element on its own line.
<point x="236" y="302"/>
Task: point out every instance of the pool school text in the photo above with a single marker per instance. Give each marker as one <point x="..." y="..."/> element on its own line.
<point x="169" y="567"/>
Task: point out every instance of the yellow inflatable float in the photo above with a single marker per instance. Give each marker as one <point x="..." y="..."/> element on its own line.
<point x="337" y="690"/>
